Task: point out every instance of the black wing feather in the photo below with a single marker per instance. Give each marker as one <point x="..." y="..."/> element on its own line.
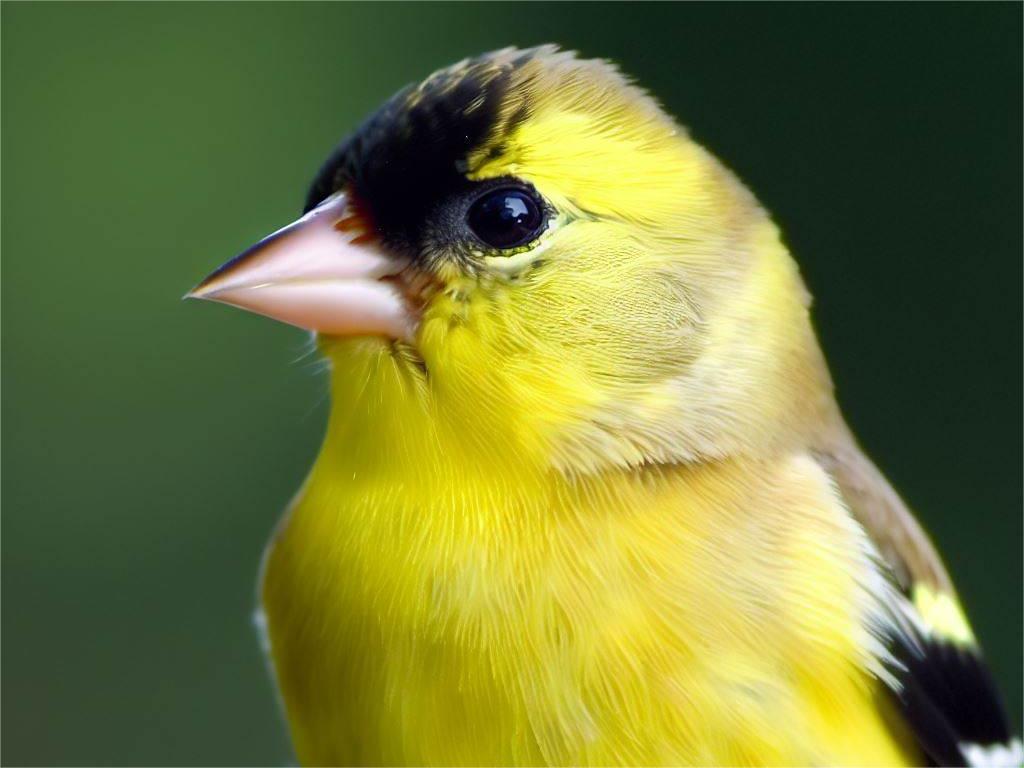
<point x="947" y="697"/>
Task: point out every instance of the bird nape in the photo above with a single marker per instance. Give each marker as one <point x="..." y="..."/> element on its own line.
<point x="585" y="495"/>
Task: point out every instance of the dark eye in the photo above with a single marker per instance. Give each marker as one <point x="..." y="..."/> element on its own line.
<point x="506" y="217"/>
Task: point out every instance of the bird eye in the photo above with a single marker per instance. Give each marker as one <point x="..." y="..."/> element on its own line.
<point x="506" y="218"/>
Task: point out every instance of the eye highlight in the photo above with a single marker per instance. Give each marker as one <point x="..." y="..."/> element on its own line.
<point x="507" y="217"/>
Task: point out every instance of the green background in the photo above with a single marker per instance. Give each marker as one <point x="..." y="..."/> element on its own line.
<point x="149" y="445"/>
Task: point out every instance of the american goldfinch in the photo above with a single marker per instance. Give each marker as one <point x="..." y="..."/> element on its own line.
<point x="585" y="495"/>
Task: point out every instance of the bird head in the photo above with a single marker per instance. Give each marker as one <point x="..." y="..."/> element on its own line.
<point x="526" y="259"/>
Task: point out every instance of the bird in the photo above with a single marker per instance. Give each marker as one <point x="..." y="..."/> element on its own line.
<point x="585" y="495"/>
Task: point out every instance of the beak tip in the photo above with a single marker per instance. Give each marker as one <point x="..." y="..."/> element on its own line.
<point x="204" y="288"/>
<point x="198" y="292"/>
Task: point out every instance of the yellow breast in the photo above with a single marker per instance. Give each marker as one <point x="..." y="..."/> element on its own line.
<point x="711" y="615"/>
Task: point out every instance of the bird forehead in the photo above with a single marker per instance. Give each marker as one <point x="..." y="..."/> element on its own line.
<point x="461" y="125"/>
<point x="418" y="142"/>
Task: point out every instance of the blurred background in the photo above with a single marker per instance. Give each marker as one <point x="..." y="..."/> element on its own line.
<point x="150" y="445"/>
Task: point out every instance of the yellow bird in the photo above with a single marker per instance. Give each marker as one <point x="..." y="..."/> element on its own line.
<point x="585" y="495"/>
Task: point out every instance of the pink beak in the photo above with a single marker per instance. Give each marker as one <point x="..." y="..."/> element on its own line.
<point x="322" y="273"/>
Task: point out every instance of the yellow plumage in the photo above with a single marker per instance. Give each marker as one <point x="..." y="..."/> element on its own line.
<point x="600" y="506"/>
<point x="667" y="616"/>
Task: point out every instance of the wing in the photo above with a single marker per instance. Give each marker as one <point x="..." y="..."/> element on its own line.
<point x="942" y="687"/>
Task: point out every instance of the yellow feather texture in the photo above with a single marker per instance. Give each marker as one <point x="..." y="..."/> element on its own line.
<point x="577" y="521"/>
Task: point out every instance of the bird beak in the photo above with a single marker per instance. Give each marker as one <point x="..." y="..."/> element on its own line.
<point x="324" y="272"/>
